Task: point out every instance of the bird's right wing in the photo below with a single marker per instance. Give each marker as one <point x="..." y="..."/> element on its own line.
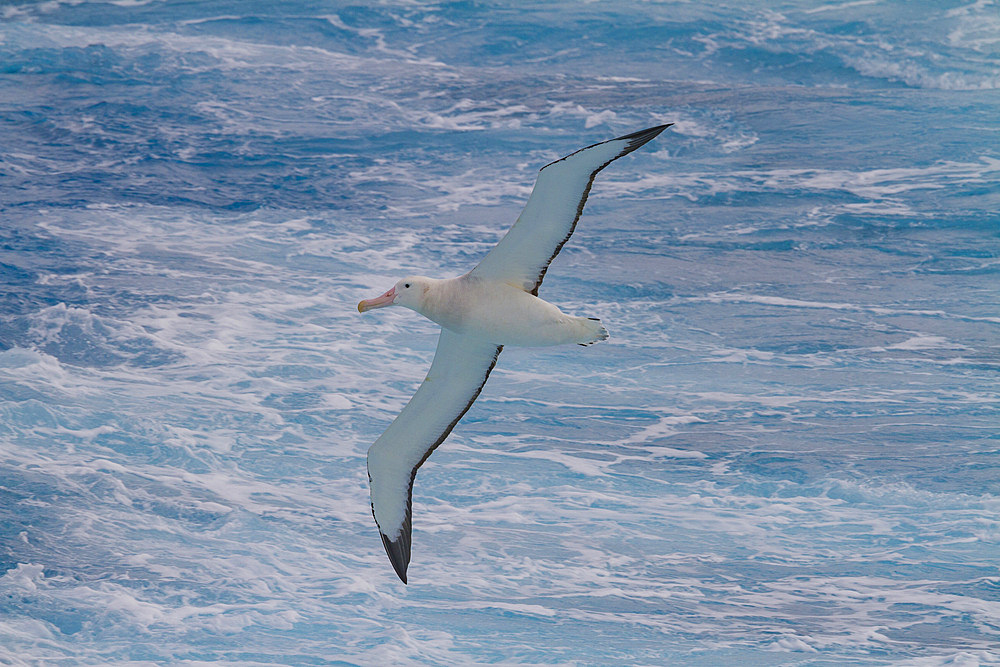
<point x="460" y="368"/>
<point x="523" y="255"/>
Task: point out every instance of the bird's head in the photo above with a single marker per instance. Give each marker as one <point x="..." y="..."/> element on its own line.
<point x="409" y="292"/>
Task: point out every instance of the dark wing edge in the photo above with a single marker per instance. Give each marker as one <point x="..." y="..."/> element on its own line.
<point x="635" y="140"/>
<point x="398" y="550"/>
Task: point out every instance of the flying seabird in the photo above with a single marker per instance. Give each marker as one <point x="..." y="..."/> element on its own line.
<point x="493" y="305"/>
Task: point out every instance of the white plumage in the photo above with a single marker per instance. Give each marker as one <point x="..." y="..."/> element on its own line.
<point x="493" y="305"/>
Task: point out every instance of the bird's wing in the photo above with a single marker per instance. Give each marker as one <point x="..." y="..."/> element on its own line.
<point x="457" y="375"/>
<point x="522" y="256"/>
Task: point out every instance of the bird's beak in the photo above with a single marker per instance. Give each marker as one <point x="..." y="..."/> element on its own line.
<point x="378" y="302"/>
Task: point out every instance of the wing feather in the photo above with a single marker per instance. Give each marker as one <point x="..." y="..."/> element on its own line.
<point x="460" y="368"/>
<point x="523" y="255"/>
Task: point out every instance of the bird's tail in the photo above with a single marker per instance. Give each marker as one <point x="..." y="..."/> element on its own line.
<point x="592" y="331"/>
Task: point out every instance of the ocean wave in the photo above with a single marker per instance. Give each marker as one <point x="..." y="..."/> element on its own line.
<point x="784" y="453"/>
<point x="917" y="56"/>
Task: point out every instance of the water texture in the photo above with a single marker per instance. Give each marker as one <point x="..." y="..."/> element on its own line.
<point x="786" y="454"/>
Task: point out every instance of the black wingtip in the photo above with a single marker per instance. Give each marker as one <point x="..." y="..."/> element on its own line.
<point x="399" y="552"/>
<point x="637" y="139"/>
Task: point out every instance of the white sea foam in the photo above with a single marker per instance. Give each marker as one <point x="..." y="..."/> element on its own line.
<point x="899" y="55"/>
<point x="799" y="303"/>
<point x="877" y="184"/>
<point x="783" y="454"/>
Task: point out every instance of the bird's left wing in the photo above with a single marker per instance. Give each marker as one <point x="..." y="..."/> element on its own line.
<point x="523" y="255"/>
<point x="460" y="368"/>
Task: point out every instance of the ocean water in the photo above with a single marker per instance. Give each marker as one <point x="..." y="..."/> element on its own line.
<point x="786" y="454"/>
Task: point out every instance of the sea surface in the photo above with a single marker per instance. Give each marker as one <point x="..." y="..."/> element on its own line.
<point x="788" y="452"/>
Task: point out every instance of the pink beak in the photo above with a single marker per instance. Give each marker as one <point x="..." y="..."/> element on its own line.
<point x="378" y="302"/>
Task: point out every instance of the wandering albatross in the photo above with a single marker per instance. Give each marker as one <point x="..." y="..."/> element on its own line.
<point x="493" y="305"/>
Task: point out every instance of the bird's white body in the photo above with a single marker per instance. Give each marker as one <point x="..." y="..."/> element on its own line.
<point x="493" y="305"/>
<point x="501" y="313"/>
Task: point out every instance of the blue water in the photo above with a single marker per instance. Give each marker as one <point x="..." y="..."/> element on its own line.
<point x="786" y="454"/>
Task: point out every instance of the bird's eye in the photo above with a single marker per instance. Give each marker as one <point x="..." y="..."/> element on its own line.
<point x="407" y="285"/>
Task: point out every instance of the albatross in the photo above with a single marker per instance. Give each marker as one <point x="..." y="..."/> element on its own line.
<point x="493" y="305"/>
